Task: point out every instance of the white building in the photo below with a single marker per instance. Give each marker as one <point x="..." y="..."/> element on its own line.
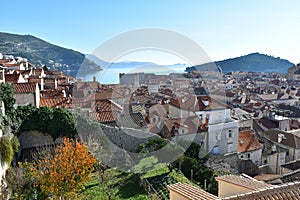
<point x="222" y="131"/>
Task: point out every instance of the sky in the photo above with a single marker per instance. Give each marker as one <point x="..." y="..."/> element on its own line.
<point x="223" y="28"/>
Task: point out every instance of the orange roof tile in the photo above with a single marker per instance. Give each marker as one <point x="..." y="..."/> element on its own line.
<point x="244" y="182"/>
<point x="104" y="116"/>
<point x="24" y="88"/>
<point x="191" y="192"/>
<point x="63" y="102"/>
<point x="12" y="78"/>
<point x="194" y="103"/>
<point x="289" y="191"/>
<point x="247" y="141"/>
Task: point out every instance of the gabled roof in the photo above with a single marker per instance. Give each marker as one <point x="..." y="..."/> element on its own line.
<point x="269" y="124"/>
<point x="104" y="95"/>
<point x="24" y="88"/>
<point x="289" y="191"/>
<point x="133" y="120"/>
<point x="288" y="139"/>
<point x="12" y="78"/>
<point x="191" y="192"/>
<point x="51" y="93"/>
<point x="63" y="102"/>
<point x="103" y="117"/>
<point x="194" y="103"/>
<point x="247" y="141"/>
<point x="106" y="105"/>
<point x="286" y="191"/>
<point x="251" y="184"/>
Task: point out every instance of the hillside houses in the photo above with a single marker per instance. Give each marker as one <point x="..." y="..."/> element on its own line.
<point x="251" y="117"/>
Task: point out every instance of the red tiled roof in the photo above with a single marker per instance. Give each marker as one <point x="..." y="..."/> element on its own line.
<point x="191" y="192"/>
<point x="266" y="177"/>
<point x="11" y="65"/>
<point x="12" y="78"/>
<point x="269" y="124"/>
<point x="103" y="117"/>
<point x="62" y="102"/>
<point x="24" y="88"/>
<point x="106" y="105"/>
<point x="5" y="60"/>
<point x="244" y="182"/>
<point x="247" y="141"/>
<point x="194" y="103"/>
<point x="288" y="139"/>
<point x="51" y="93"/>
<point x="104" y="95"/>
<point x="286" y="191"/>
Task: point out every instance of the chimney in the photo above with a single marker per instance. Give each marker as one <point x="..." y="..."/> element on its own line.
<point x="55" y="83"/>
<point x="42" y="84"/>
<point x="206" y="121"/>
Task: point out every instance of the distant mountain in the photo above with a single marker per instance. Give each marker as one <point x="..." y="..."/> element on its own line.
<point x="254" y="62"/>
<point x="39" y="52"/>
<point x="132" y="64"/>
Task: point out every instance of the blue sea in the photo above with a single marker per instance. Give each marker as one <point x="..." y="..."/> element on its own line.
<point x="110" y="75"/>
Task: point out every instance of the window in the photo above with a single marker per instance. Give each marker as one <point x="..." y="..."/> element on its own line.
<point x="182" y="131"/>
<point x="242" y="156"/>
<point x="229" y="147"/>
<point x="216" y="150"/>
<point x="230" y="134"/>
<point x="248" y="155"/>
<point x="153" y="119"/>
<point x="98" y="108"/>
<point x="201" y="143"/>
<point x="201" y="117"/>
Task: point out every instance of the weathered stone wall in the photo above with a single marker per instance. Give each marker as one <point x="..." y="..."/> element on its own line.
<point x="34" y="139"/>
<point x="126" y="138"/>
<point x="25" y="99"/>
<point x="223" y="163"/>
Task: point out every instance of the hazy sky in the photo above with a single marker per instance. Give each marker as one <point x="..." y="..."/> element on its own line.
<point x="223" y="28"/>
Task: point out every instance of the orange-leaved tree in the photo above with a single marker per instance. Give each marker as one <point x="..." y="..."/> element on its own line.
<point x="66" y="170"/>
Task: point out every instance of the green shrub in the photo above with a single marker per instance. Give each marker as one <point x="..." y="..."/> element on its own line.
<point x="6" y="150"/>
<point x="15" y="144"/>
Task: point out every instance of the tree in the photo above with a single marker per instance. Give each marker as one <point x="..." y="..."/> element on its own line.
<point x="66" y="171"/>
<point x="153" y="144"/>
<point x="7" y="96"/>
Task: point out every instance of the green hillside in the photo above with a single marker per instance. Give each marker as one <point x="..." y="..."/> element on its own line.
<point x="39" y="52"/>
<point x="254" y="62"/>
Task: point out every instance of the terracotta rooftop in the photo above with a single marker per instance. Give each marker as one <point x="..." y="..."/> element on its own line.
<point x="105" y="105"/>
<point x="104" y="116"/>
<point x="244" y="182"/>
<point x="191" y="192"/>
<point x="269" y="124"/>
<point x="51" y="93"/>
<point x="133" y="120"/>
<point x="24" y="88"/>
<point x="266" y="177"/>
<point x="194" y="103"/>
<point x="12" y="78"/>
<point x="289" y="191"/>
<point x="104" y="95"/>
<point x="247" y="141"/>
<point x="63" y="102"/>
<point x="287" y="138"/>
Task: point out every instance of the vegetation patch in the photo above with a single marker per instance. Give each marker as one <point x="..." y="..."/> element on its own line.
<point x="6" y="150"/>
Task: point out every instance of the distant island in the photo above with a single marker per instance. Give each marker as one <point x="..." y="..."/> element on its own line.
<point x="254" y="62"/>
